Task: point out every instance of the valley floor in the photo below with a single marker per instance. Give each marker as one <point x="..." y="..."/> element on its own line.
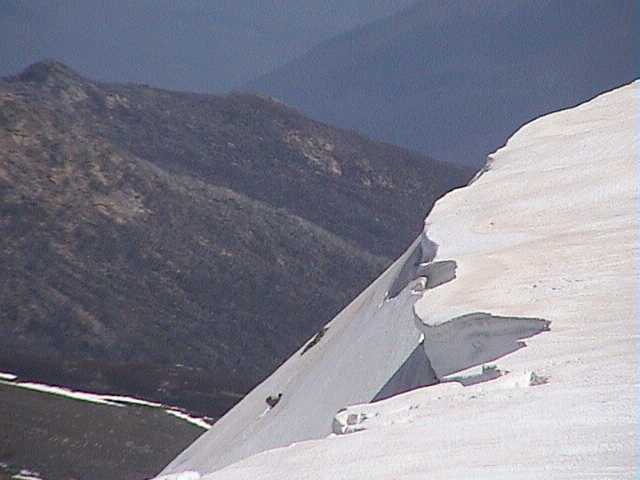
<point x="62" y="438"/>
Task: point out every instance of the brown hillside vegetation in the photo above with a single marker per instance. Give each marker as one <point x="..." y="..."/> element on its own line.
<point x="179" y="246"/>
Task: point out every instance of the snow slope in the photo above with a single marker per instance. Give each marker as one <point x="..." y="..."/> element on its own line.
<point x="542" y="247"/>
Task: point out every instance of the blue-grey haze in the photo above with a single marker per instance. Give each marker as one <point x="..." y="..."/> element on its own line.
<point x="457" y="78"/>
<point x="195" y="45"/>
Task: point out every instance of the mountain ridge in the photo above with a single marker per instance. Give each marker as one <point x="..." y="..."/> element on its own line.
<point x="140" y="220"/>
<point x="456" y="79"/>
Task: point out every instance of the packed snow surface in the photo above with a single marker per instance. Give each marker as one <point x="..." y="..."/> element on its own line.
<point x="180" y="476"/>
<point x="517" y="307"/>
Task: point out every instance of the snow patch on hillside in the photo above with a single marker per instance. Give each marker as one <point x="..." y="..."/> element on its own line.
<point x="110" y="400"/>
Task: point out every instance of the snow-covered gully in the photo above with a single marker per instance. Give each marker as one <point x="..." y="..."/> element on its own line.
<point x="545" y="237"/>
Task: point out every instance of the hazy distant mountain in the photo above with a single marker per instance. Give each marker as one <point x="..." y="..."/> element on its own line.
<point x="456" y="78"/>
<point x="189" y="45"/>
<point x="147" y="234"/>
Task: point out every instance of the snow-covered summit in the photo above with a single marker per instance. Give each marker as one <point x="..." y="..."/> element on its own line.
<point x="542" y="247"/>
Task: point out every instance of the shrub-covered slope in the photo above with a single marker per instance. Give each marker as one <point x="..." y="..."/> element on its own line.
<point x="154" y="239"/>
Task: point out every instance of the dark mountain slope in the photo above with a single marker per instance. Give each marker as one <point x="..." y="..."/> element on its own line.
<point x="145" y="228"/>
<point x="456" y="78"/>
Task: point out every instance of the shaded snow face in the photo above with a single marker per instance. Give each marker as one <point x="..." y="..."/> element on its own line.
<point x="422" y="252"/>
<point x="371" y="351"/>
<point x="455" y="345"/>
<point x="459" y="344"/>
<point x="415" y="372"/>
<point x="475" y="339"/>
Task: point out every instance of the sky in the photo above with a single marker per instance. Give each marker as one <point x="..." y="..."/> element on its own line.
<point x="204" y="46"/>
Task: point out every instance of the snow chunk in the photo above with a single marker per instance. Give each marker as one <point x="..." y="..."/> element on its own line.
<point x="190" y="475"/>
